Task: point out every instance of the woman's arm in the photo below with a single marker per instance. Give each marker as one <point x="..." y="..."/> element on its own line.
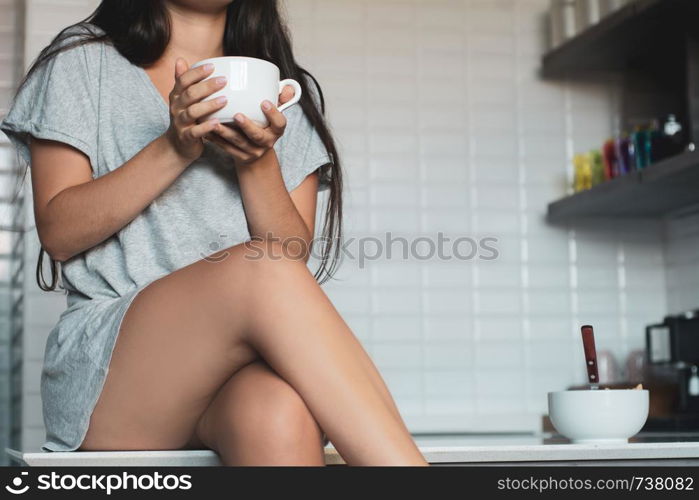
<point x="271" y="211"/>
<point x="75" y="212"/>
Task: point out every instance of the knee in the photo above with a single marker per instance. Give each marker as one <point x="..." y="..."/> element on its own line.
<point x="261" y="407"/>
<point x="287" y="423"/>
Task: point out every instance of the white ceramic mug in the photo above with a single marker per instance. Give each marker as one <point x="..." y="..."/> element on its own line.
<point x="250" y="81"/>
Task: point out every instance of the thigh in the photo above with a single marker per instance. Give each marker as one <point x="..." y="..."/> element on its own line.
<point x="257" y="418"/>
<point x="176" y="348"/>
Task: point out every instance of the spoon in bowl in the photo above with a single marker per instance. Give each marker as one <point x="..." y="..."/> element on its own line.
<point x="588" y="336"/>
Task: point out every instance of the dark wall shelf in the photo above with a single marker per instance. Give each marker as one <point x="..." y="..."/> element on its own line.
<point x="638" y="31"/>
<point x="658" y="190"/>
<point x="654" y="46"/>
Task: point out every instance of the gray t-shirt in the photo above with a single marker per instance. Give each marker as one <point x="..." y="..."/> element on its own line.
<point x="95" y="100"/>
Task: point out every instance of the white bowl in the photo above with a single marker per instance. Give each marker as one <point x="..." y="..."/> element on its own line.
<point x="599" y="415"/>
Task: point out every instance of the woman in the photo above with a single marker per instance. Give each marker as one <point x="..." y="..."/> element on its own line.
<point x="190" y="322"/>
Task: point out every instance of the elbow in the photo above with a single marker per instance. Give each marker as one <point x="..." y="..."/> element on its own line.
<point x="53" y="247"/>
<point x="56" y="253"/>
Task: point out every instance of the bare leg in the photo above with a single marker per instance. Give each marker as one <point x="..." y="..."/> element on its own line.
<point x="296" y="329"/>
<point x="259" y="419"/>
<point x="169" y="361"/>
<point x="190" y="331"/>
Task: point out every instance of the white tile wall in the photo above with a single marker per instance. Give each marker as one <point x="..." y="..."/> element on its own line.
<point x="682" y="262"/>
<point x="445" y="126"/>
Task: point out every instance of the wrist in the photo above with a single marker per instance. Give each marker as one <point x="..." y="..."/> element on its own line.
<point x="169" y="147"/>
<point x="268" y="161"/>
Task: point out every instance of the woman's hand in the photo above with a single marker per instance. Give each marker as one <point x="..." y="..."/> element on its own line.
<point x="246" y="141"/>
<point x="184" y="133"/>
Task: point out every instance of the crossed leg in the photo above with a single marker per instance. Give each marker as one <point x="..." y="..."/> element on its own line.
<point x="257" y="418"/>
<point x="188" y="335"/>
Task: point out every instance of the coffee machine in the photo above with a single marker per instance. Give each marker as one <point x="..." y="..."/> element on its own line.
<point x="672" y="354"/>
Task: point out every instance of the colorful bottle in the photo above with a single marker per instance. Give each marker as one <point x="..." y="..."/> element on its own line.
<point x="621" y="149"/>
<point x="596" y="167"/>
<point x="638" y="149"/>
<point x="611" y="168"/>
<point x="582" y="172"/>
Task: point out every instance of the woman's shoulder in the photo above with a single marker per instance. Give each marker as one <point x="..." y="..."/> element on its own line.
<point x="59" y="94"/>
<point x="74" y="57"/>
<point x="83" y="39"/>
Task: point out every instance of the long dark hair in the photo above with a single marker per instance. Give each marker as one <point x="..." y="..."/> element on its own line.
<point x="140" y="31"/>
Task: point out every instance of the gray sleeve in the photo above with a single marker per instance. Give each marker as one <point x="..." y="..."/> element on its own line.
<point x="58" y="102"/>
<point x="301" y="150"/>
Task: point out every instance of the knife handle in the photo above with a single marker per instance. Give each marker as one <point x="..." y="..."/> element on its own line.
<point x="588" y="336"/>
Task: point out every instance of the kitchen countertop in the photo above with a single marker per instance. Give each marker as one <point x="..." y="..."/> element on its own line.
<point x="443" y="449"/>
<point x="547" y="449"/>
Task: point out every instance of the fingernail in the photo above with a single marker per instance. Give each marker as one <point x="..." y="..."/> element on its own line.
<point x="239" y="118"/>
<point x="266" y="105"/>
<point x="208" y="67"/>
<point x="221" y="80"/>
<point x="222" y="99"/>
